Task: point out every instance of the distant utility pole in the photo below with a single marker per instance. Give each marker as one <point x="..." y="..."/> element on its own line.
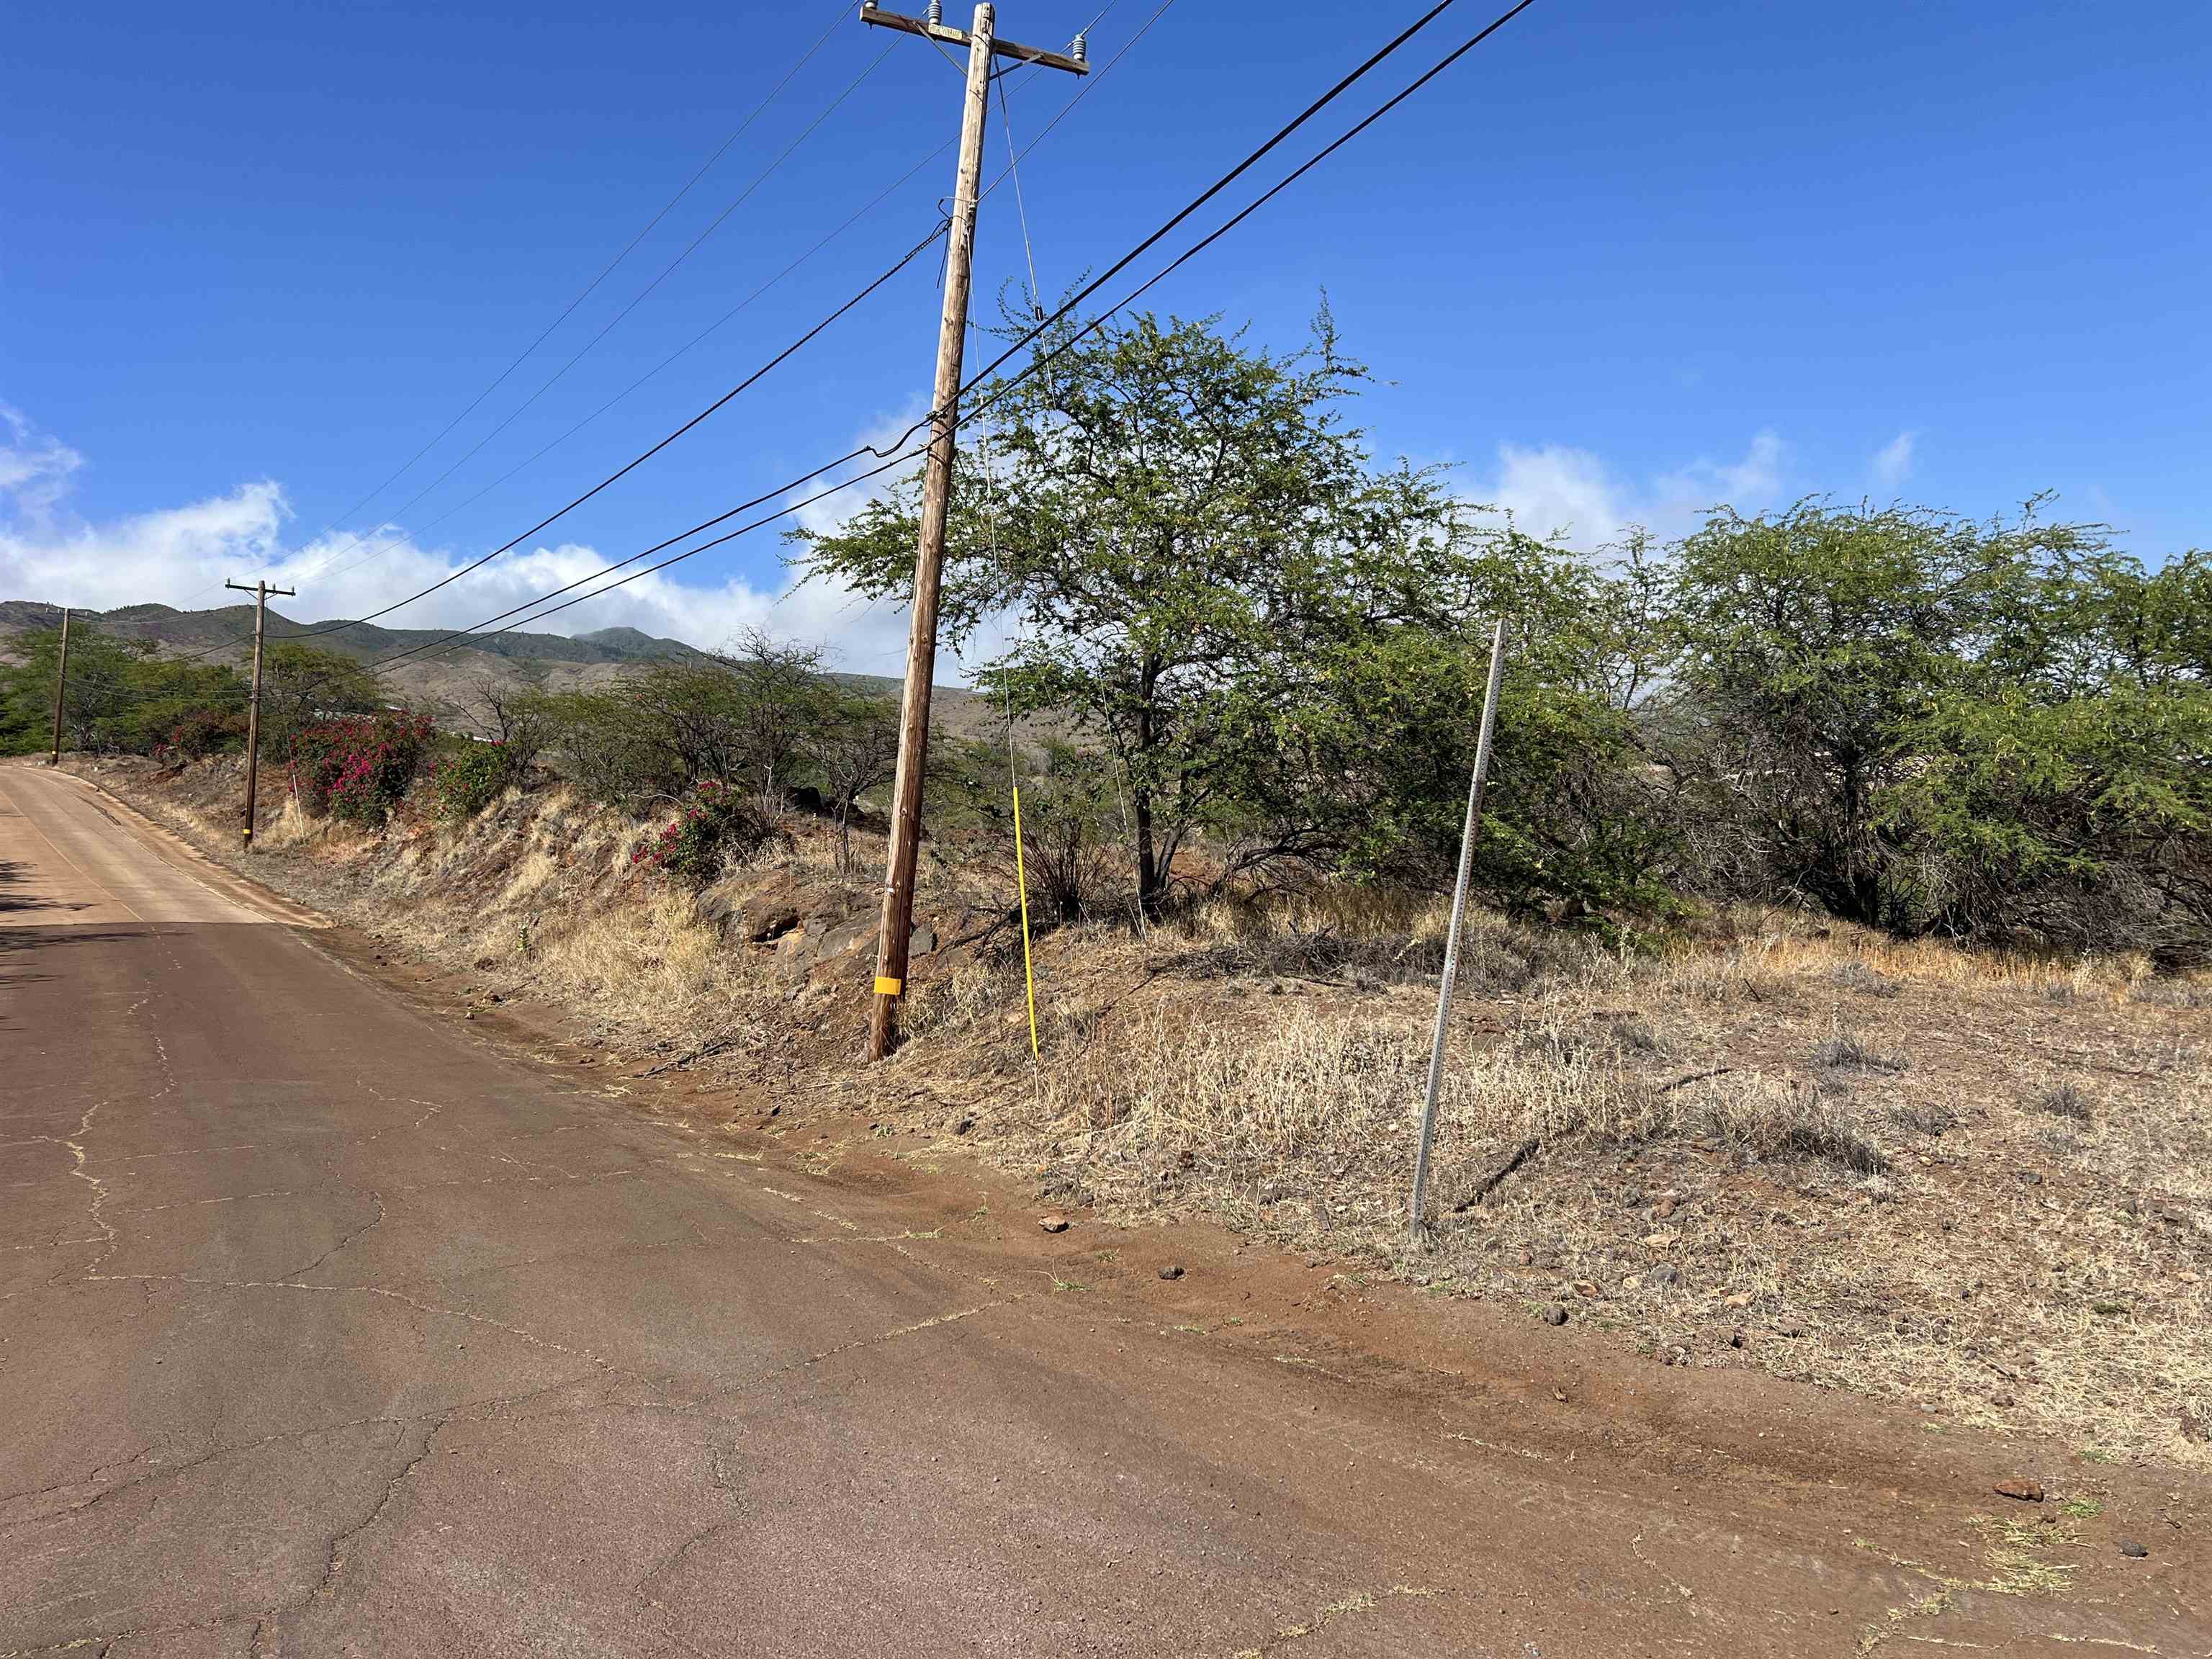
<point x="261" y="591"/>
<point x="937" y="486"/>
<point x="1467" y="834"/>
<point x="61" y="685"/>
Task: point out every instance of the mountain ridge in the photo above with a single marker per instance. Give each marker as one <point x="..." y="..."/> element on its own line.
<point x="229" y="629"/>
<point x="450" y="681"/>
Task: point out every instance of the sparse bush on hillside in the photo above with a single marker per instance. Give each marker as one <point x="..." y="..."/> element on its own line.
<point x="204" y="729"/>
<point x="854" y="750"/>
<point x="1069" y="822"/>
<point x="304" y="685"/>
<point x="714" y="825"/>
<point x="515" y="714"/>
<point x="606" y="748"/>
<point x="762" y="716"/>
<point x="359" y="769"/>
<point x="779" y="707"/>
<point x="466" y="777"/>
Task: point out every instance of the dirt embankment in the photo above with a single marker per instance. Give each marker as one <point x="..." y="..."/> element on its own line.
<point x="1977" y="1187"/>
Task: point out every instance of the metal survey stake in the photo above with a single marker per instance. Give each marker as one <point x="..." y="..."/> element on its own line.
<point x="1452" y="937"/>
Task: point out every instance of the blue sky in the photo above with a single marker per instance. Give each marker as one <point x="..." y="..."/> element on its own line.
<point x="1623" y="262"/>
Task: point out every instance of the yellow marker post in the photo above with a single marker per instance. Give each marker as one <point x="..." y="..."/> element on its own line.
<point x="1021" y="886"/>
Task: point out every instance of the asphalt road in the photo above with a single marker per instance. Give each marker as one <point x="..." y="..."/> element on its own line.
<point x="326" y="1328"/>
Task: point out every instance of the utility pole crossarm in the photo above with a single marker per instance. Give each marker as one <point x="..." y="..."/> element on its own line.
<point x="1075" y="62"/>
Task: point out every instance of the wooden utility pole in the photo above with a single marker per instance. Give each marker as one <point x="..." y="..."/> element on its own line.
<point x="261" y="591"/>
<point x="937" y="488"/>
<point x="61" y="686"/>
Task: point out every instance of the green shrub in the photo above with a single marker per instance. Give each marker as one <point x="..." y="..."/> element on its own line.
<point x="714" y="824"/>
<point x="466" y="777"/>
<point x="359" y="769"/>
<point x="198" y="732"/>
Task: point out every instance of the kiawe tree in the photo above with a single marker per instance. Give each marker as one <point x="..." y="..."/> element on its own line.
<point x="121" y="696"/>
<point x="1277" y="642"/>
<point x="855" y="748"/>
<point x="1997" y="728"/>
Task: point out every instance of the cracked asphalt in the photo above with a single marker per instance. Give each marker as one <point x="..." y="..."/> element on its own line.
<point x="326" y="1329"/>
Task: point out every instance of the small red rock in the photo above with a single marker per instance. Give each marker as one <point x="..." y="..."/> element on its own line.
<point x="2027" y="1492"/>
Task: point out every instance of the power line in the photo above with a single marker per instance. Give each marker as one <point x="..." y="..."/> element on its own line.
<point x="1063" y="346"/>
<point x="1248" y="163"/>
<point x="627" y="467"/>
<point x="592" y="287"/>
<point x="688" y="346"/>
<point x="785" y="511"/>
<point x="904" y="260"/>
<point x="323" y="565"/>
<point x="897" y="459"/>
<point x="1012" y="164"/>
<point x="631" y="247"/>
<point x="611" y="324"/>
<point x="900" y="455"/>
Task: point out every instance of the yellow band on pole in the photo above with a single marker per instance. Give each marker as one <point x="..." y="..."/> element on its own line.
<point x="888" y="988"/>
<point x="1021" y="886"/>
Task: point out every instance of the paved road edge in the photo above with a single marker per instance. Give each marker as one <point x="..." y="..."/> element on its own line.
<point x="174" y="849"/>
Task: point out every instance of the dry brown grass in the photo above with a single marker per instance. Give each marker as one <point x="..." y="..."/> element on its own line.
<point x="1866" y="1178"/>
<point x="1977" y="1181"/>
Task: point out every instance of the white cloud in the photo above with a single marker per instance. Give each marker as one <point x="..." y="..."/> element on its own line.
<point x="154" y="556"/>
<point x="1556" y="489"/>
<point x="181" y="557"/>
<point x="35" y="469"/>
<point x="1752" y="482"/>
<point x="1892" y="463"/>
<point x="855" y="490"/>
